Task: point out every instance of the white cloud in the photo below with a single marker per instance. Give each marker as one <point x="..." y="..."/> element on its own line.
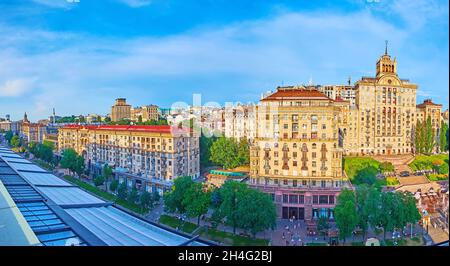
<point x="15" y="87"/>
<point x="56" y="3"/>
<point x="136" y="3"/>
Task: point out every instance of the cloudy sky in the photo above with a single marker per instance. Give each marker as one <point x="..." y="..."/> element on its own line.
<point x="79" y="55"/>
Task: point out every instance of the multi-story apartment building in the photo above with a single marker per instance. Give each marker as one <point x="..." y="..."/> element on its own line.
<point x="384" y="115"/>
<point x="120" y="110"/>
<point x="296" y="155"/>
<point x="146" y="113"/>
<point x="432" y="110"/>
<point x="149" y="155"/>
<point x="32" y="132"/>
<point x="240" y="122"/>
<point x="345" y="92"/>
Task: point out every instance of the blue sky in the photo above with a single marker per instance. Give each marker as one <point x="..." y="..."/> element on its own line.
<point x="79" y="55"/>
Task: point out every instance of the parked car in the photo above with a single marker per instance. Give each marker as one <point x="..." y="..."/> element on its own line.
<point x="404" y="173"/>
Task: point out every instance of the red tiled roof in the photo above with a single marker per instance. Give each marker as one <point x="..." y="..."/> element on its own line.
<point x="339" y="99"/>
<point x="133" y="128"/>
<point x="427" y="102"/>
<point x="296" y="94"/>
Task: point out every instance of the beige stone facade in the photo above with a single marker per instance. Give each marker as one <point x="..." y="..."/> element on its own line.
<point x="120" y="110"/>
<point x="383" y="118"/>
<point x="148" y="112"/>
<point x="240" y="122"/>
<point x="152" y="152"/>
<point x="297" y="156"/>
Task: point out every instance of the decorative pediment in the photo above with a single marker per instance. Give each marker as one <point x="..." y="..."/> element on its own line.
<point x="389" y="80"/>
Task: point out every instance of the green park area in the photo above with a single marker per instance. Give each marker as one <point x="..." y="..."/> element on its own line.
<point x="174" y="222"/>
<point x="363" y="170"/>
<point x="438" y="163"/>
<point x="231" y="239"/>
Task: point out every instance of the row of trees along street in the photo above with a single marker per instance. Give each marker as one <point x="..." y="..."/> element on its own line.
<point x="233" y="204"/>
<point x="424" y="137"/>
<point x="369" y="207"/>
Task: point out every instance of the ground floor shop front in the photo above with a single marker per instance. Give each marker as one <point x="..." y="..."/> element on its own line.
<point x="307" y="204"/>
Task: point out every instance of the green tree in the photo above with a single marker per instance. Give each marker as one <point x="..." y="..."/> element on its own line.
<point x="140" y="119"/>
<point x="79" y="165"/>
<point x="230" y="193"/>
<point x="412" y="214"/>
<point x="429" y="136"/>
<point x="122" y="191"/>
<point x="368" y="207"/>
<point x="366" y="175"/>
<point x="107" y="172"/>
<point x="133" y="196"/>
<point x="345" y="213"/>
<point x="196" y="201"/>
<point x="15" y="141"/>
<point x="69" y="157"/>
<point x="419" y="137"/>
<point x="155" y="196"/>
<point x="114" y="185"/>
<point x="228" y="153"/>
<point x="99" y="180"/>
<point x="243" y="152"/>
<point x="443" y="137"/>
<point x="107" y="119"/>
<point x="255" y="211"/>
<point x="205" y="149"/>
<point x="145" y="200"/>
<point x="8" y="135"/>
<point x="443" y="169"/>
<point x="323" y="225"/>
<point x="387" y="167"/>
<point x="173" y="200"/>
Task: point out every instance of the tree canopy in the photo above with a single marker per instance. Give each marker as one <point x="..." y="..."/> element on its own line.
<point x="229" y="153"/>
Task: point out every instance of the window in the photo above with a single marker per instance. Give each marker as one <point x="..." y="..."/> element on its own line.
<point x="315" y="199"/>
<point x="322" y="183"/>
<point x="285" y="198"/>
<point x="304" y="183"/>
<point x="323" y="199"/>
<point x="294" y="163"/>
<point x="294" y="183"/>
<point x="293" y="199"/>
<point x="301" y="199"/>
<point x="331" y="199"/>
<point x="285" y="182"/>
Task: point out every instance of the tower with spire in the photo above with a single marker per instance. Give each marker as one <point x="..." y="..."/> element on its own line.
<point x="25" y="118"/>
<point x="385" y="65"/>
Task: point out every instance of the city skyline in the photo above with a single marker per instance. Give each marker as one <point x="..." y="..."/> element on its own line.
<point x="78" y="61"/>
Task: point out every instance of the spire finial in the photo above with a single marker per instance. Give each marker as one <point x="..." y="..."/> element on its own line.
<point x="386" y="49"/>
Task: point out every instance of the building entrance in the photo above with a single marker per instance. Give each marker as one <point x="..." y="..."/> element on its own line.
<point x="290" y="212"/>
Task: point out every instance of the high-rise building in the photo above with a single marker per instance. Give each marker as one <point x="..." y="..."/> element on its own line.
<point x="384" y="115"/>
<point x="120" y="110"/>
<point x="148" y="154"/>
<point x="296" y="155"/>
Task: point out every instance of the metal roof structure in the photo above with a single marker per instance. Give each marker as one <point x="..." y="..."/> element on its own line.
<point x="60" y="213"/>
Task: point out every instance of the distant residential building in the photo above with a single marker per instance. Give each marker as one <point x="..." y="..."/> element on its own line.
<point x="430" y="109"/>
<point x="146" y="113"/>
<point x="240" y="122"/>
<point x="150" y="155"/>
<point x="345" y="92"/>
<point x="120" y="110"/>
<point x="32" y="132"/>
